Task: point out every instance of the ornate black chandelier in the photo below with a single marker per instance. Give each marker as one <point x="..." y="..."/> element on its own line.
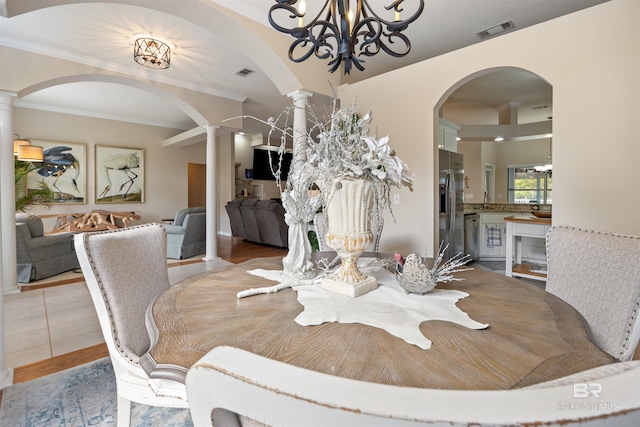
<point x="343" y="33"/>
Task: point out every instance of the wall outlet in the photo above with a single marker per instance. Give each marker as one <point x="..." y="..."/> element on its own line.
<point x="396" y="199"/>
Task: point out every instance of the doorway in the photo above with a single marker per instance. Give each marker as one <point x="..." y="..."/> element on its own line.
<point x="196" y="185"/>
<point x="489" y="183"/>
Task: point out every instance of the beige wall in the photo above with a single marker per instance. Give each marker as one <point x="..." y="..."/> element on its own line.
<point x="591" y="60"/>
<point x="490" y="157"/>
<point x="473" y="170"/>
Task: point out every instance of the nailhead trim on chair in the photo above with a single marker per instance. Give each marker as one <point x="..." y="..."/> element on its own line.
<point x="634" y="316"/>
<point x="122" y="351"/>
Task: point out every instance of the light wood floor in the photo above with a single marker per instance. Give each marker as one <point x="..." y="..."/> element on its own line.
<point x="230" y="249"/>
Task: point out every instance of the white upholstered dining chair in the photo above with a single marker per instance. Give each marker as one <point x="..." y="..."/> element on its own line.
<point x="261" y="390"/>
<point x="321" y="225"/>
<point x="125" y="270"/>
<point x="598" y="273"/>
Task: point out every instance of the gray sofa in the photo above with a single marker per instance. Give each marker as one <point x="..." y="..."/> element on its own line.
<point x="259" y="221"/>
<point x="41" y="256"/>
<point x="186" y="237"/>
<point x="235" y="217"/>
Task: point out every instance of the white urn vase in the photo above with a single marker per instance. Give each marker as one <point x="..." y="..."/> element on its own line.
<point x="349" y="234"/>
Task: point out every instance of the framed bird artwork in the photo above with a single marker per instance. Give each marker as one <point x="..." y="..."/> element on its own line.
<point x="63" y="170"/>
<point x="119" y="174"/>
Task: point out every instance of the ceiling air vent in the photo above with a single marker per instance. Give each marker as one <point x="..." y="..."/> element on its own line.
<point x="244" y="72"/>
<point x="495" y="30"/>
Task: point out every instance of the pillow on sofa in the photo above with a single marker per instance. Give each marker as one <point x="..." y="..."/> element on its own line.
<point x="33" y="222"/>
<point x="181" y="214"/>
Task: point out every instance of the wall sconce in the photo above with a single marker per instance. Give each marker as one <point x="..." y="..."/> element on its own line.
<point x="17" y="142"/>
<point x="30" y="153"/>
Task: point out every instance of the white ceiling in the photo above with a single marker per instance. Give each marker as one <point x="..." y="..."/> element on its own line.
<point x="100" y="34"/>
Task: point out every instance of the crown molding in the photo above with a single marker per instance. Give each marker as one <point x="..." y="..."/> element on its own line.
<point x="86" y="113"/>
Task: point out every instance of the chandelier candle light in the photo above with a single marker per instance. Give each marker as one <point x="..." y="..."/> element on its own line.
<point x="343" y="30"/>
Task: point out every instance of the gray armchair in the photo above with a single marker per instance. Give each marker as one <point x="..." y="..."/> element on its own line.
<point x="186" y="237"/>
<point x="41" y="256"/>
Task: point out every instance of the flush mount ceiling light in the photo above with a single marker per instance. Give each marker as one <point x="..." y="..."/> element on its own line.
<point x="151" y="52"/>
<point x="341" y="28"/>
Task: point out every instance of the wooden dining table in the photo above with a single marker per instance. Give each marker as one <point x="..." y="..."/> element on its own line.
<point x="532" y="336"/>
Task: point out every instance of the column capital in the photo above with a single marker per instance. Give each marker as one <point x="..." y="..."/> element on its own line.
<point x="8" y="94"/>
<point x="300" y="93"/>
<point x="7" y="98"/>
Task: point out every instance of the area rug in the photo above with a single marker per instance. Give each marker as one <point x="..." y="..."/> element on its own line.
<point x="79" y="397"/>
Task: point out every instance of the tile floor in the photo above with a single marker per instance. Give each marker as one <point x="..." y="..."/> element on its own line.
<point x="48" y="322"/>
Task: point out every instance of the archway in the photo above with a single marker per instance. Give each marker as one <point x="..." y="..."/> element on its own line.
<point x="508" y="91"/>
<point x="170" y="98"/>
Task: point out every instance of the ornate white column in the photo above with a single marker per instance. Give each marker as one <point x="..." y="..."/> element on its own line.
<point x="7" y="212"/>
<point x="212" y="198"/>
<point x="297" y="263"/>
<point x="299" y="128"/>
<point x="8" y="194"/>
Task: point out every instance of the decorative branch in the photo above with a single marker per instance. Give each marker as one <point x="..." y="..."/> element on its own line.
<point x="274" y="288"/>
<point x="443" y="273"/>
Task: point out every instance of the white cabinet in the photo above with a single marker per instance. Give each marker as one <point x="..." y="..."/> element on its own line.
<point x="448" y="135"/>
<point x="520" y="231"/>
<point x="492" y="236"/>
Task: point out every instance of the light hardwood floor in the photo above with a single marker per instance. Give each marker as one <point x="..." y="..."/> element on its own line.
<point x="230" y="249"/>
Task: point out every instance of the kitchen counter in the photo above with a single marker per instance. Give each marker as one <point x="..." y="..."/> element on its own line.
<point x="506" y="208"/>
<point x="528" y="219"/>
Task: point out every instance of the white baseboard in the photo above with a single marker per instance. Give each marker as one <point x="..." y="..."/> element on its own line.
<point x="6" y="378"/>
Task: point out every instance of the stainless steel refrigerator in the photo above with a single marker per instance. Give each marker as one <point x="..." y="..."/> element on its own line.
<point x="451" y="202"/>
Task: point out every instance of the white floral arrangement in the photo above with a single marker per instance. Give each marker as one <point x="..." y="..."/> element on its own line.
<point x="345" y="149"/>
<point x="338" y="148"/>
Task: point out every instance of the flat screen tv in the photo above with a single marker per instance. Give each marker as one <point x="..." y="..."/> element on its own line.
<point x="261" y="169"/>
